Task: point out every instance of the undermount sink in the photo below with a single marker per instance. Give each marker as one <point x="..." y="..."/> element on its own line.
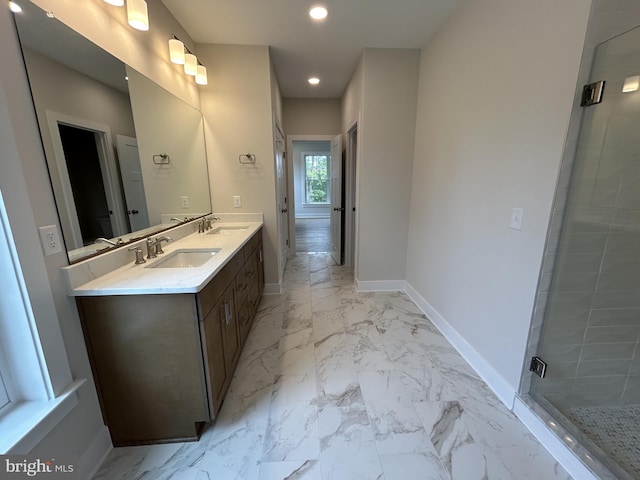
<point x="235" y="230"/>
<point x="186" y="258"/>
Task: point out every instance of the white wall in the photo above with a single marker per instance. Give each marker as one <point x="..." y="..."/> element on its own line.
<point x="389" y="88"/>
<point x="495" y="94"/>
<point x="237" y="110"/>
<point x="311" y="116"/>
<point x="300" y="148"/>
<point x="166" y="124"/>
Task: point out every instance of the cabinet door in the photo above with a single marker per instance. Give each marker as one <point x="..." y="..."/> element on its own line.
<point x="215" y="355"/>
<point x="229" y="323"/>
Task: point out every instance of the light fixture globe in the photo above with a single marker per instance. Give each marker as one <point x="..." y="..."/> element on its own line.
<point x="190" y="64"/>
<point x="137" y="14"/>
<point x="176" y="51"/>
<point x="201" y="75"/>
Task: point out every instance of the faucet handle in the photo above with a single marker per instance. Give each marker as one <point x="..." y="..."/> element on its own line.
<point x="151" y="249"/>
<point x="139" y="255"/>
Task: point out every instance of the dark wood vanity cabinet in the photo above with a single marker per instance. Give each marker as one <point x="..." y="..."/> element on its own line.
<point x="163" y="363"/>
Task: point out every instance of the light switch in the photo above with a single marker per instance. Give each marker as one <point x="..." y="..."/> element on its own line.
<point x="516" y="218"/>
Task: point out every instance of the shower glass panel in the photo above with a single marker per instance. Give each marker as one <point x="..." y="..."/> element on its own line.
<point x="591" y="328"/>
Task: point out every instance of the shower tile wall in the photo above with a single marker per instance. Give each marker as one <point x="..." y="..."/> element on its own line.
<point x="591" y="275"/>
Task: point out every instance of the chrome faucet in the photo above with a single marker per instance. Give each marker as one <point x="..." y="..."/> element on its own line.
<point x="176" y="219"/>
<point x="208" y="221"/>
<point x="110" y="242"/>
<point x="154" y="247"/>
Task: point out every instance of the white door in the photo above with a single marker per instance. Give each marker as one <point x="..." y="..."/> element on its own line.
<point x="337" y="205"/>
<point x="132" y="184"/>
<point x="283" y="205"/>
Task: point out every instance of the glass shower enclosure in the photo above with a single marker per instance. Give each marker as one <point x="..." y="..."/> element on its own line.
<point x="590" y="279"/>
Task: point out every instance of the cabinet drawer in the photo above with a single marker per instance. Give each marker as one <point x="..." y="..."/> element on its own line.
<point x="251" y="245"/>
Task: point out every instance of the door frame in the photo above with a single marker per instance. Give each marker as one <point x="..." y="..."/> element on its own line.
<point x="108" y="167"/>
<point x="291" y="188"/>
<point x="350" y="188"/>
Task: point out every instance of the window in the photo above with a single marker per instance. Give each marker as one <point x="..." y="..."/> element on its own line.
<point x="316" y="178"/>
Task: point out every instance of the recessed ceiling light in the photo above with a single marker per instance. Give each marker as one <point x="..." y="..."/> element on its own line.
<point x="318" y="13"/>
<point x="14" y="7"/>
<point x="314" y="80"/>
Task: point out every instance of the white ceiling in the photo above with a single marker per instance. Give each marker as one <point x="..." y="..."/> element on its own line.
<point x="301" y="47"/>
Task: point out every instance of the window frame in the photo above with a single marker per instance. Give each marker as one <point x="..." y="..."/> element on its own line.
<point x="306" y="154"/>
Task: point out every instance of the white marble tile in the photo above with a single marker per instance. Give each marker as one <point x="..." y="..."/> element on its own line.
<point x="348" y="448"/>
<point x="122" y="463"/>
<point x="296" y="353"/>
<point x="300" y="470"/>
<point x="292" y="434"/>
<point x="298" y="317"/>
<point x="176" y="474"/>
<point x="336" y="374"/>
<point x="486" y="443"/>
<point x="413" y="466"/>
<point x="397" y="427"/>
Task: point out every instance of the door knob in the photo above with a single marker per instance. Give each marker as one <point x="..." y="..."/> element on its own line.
<point x="284" y="210"/>
<point x="135" y="212"/>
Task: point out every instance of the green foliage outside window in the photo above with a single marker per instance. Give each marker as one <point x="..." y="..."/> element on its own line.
<point x="317" y="178"/>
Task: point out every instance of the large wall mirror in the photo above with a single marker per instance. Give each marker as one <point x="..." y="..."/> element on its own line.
<point x="124" y="155"/>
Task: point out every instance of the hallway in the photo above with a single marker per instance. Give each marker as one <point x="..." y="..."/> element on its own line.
<point x="334" y="384"/>
<point x="313" y="235"/>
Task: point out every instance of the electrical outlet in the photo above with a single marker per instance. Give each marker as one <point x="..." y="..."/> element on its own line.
<point x="184" y="202"/>
<point x="50" y="240"/>
<point x="237" y="203"/>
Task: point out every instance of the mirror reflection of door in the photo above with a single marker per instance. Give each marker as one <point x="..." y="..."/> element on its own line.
<point x="95" y="218"/>
<point x="132" y="183"/>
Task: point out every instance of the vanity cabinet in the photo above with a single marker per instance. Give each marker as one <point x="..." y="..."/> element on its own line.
<point x="163" y="363"/>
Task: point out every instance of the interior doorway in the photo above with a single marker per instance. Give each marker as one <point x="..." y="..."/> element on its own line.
<point x="84" y="163"/>
<point x="310" y="190"/>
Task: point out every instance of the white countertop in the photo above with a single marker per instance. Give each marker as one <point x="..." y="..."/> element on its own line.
<point x="132" y="279"/>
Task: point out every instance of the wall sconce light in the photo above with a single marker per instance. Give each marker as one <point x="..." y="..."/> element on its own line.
<point x="179" y="54"/>
<point x="176" y="51"/>
<point x="137" y="14"/>
<point x="631" y="84"/>
<point x="201" y="75"/>
<point x="190" y="64"/>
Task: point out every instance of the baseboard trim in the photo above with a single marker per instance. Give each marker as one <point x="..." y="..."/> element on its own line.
<point x="95" y="455"/>
<point x="499" y="385"/>
<point x="381" y="286"/>
<point x="272" y="289"/>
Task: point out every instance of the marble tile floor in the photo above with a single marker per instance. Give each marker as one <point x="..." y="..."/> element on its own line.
<point x="333" y="384"/>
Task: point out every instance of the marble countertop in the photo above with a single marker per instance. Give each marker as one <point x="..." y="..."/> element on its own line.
<point x="132" y="279"/>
